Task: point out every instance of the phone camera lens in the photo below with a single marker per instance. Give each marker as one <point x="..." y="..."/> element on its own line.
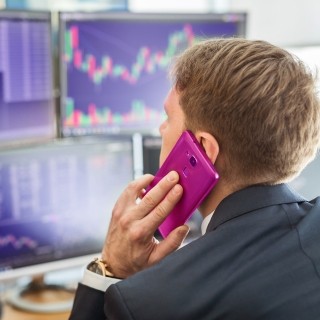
<point x="193" y="161"/>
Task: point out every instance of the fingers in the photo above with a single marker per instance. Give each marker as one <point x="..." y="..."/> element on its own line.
<point x="159" y="192"/>
<point x="162" y="210"/>
<point x="130" y="244"/>
<point x="154" y="207"/>
<point x="170" y="244"/>
<point x="133" y="191"/>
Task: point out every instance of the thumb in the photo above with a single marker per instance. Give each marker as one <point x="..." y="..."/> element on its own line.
<point x="176" y="237"/>
<point x="171" y="243"/>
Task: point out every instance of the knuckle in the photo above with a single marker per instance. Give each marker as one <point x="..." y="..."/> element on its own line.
<point x="124" y="221"/>
<point x="116" y="212"/>
<point x="149" y="202"/>
<point x="163" y="185"/>
<point x="132" y="186"/>
<point x="136" y="234"/>
<point x="160" y="212"/>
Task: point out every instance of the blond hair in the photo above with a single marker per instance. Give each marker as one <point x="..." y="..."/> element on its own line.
<point x="259" y="102"/>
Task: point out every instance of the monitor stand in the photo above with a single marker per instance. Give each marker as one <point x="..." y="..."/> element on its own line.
<point x="40" y="297"/>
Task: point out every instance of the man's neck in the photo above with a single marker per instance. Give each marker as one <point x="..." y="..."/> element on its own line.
<point x="218" y="193"/>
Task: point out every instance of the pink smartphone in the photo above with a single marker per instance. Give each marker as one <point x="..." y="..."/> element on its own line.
<point x="197" y="177"/>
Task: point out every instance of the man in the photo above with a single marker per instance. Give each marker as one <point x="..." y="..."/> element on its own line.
<point x="254" y="109"/>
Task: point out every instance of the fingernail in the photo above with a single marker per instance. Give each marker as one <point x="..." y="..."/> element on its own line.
<point x="172" y="176"/>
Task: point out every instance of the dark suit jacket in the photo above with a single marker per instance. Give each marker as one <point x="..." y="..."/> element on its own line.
<point x="260" y="259"/>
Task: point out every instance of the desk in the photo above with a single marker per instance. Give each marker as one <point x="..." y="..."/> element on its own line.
<point x="46" y="298"/>
<point x="69" y="276"/>
<point x="10" y="313"/>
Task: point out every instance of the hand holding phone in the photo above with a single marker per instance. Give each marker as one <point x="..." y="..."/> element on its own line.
<point x="197" y="177"/>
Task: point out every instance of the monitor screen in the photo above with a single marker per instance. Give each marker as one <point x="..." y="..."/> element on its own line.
<point x="56" y="201"/>
<point x="27" y="110"/>
<point x="114" y="66"/>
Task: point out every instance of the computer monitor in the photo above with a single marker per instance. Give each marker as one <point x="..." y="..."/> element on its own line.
<point x="114" y="65"/>
<point x="56" y="201"/>
<point x="151" y="147"/>
<point x="27" y="108"/>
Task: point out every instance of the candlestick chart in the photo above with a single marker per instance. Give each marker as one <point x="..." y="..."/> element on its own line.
<point x="116" y="72"/>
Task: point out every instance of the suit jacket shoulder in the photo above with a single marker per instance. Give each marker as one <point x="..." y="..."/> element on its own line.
<point x="258" y="260"/>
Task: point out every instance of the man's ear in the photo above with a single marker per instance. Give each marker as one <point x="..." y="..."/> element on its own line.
<point x="209" y="144"/>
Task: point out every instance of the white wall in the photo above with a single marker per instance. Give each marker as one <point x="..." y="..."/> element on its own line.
<point x="70" y="5"/>
<point x="168" y="5"/>
<point x="282" y="22"/>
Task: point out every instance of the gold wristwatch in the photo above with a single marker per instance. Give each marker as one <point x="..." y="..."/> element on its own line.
<point x="100" y="267"/>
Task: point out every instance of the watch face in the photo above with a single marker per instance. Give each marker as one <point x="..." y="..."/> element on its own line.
<point x="95" y="267"/>
<point x="98" y="266"/>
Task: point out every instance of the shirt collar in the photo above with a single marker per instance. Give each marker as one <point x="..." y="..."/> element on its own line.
<point x="205" y="223"/>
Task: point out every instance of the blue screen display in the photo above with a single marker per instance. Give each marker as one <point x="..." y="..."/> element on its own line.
<point x="115" y="68"/>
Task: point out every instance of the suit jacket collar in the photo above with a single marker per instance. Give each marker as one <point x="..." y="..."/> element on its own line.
<point x="250" y="199"/>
